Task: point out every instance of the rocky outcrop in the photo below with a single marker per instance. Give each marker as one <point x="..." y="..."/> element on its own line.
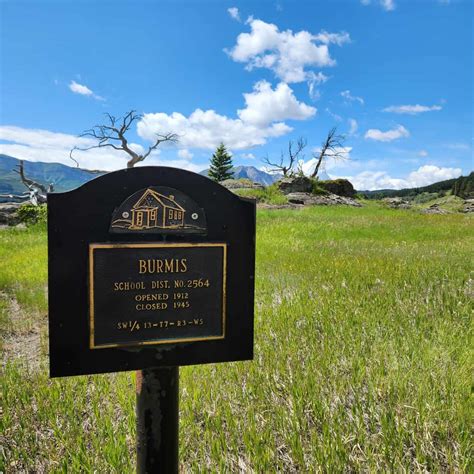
<point x="307" y="199"/>
<point x="434" y="209"/>
<point x="341" y="187"/>
<point x="9" y="213"/>
<point x="468" y="206"/>
<point x="296" y="184"/>
<point x="396" y="203"/>
<point x="241" y="184"/>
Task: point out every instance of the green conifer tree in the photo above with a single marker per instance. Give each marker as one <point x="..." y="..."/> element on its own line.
<point x="221" y="164"/>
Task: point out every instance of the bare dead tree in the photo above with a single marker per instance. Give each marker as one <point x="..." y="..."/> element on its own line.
<point x="37" y="192"/>
<point x="113" y="135"/>
<point x="288" y="160"/>
<point x="333" y="147"/>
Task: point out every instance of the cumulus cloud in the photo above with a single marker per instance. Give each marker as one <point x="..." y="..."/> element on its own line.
<point x="52" y="147"/>
<point x="234" y="13"/>
<point x="411" y="109"/>
<point x="423" y="153"/>
<point x="423" y="176"/>
<point x="351" y="98"/>
<point x="81" y="89"/>
<point x="286" y="53"/>
<point x="261" y="119"/>
<point x="265" y="105"/>
<point x="398" y="132"/>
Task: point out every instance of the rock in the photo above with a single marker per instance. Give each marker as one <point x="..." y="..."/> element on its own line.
<point x="296" y="184"/>
<point x="434" y="209"/>
<point x="8" y="213"/>
<point x="241" y="184"/>
<point x="397" y="203"/>
<point x="468" y="206"/>
<point x="307" y="199"/>
<point x="341" y="187"/>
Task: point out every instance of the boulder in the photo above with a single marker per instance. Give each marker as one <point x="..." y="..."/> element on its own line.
<point x="295" y="184"/>
<point x="340" y="187"/>
<point x="9" y="213"/>
<point x="468" y="206"/>
<point x="241" y="184"/>
<point x="308" y="199"/>
<point x="434" y="209"/>
<point x="397" y="203"/>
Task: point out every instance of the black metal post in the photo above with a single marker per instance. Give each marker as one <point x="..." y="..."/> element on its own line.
<point x="157" y="420"/>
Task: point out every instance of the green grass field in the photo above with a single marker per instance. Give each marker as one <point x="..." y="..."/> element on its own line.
<point x="363" y="357"/>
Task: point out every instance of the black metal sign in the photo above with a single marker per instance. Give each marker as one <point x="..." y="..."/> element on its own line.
<point x="146" y="294"/>
<point x="149" y="267"/>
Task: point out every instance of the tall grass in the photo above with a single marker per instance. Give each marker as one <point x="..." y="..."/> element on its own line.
<point x="363" y="358"/>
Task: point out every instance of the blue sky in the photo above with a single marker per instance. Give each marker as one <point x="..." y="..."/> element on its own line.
<point x="394" y="76"/>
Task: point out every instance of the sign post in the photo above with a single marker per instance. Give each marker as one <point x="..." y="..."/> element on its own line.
<point x="157" y="420"/>
<point x="150" y="268"/>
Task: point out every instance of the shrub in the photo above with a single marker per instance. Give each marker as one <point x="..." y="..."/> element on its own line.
<point x="30" y="214"/>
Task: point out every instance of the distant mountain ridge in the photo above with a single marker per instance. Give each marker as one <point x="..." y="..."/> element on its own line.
<point x="252" y="173"/>
<point x="62" y="177"/>
<point x="65" y="178"/>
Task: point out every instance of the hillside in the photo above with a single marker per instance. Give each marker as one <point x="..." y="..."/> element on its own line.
<point x="61" y="176"/>
<point x="463" y="184"/>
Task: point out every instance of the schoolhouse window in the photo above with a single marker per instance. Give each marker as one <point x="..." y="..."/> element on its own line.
<point x="139" y="218"/>
<point x="170" y="214"/>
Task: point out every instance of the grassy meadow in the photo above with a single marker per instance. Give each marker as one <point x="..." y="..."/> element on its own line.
<point x="363" y="357"/>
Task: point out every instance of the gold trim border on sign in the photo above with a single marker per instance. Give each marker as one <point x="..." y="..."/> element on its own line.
<point x="92" y="247"/>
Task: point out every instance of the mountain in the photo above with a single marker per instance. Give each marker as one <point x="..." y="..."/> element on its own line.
<point x="252" y="173"/>
<point x="61" y="176"/>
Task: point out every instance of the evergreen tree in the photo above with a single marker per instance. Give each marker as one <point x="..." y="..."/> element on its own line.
<point x="221" y="164"/>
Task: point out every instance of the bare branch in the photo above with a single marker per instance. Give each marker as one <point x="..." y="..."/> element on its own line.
<point x="29" y="183"/>
<point x="333" y="147"/>
<point x="294" y="151"/>
<point x="113" y="135"/>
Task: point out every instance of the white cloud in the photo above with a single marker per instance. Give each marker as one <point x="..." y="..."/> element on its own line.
<point x="398" y="132"/>
<point x="286" y="53"/>
<point x="350" y="98"/>
<point x="261" y="119"/>
<point x="388" y="5"/>
<point x="458" y="146"/>
<point x="334" y="115"/>
<point x="83" y="90"/>
<point x="248" y="156"/>
<point x="185" y="153"/>
<point x="313" y="81"/>
<point x="234" y="13"/>
<point x="423" y="153"/>
<point x="423" y="176"/>
<point x="265" y="105"/>
<point x="353" y="126"/>
<point x="411" y="109"/>
<point x="52" y="147"/>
